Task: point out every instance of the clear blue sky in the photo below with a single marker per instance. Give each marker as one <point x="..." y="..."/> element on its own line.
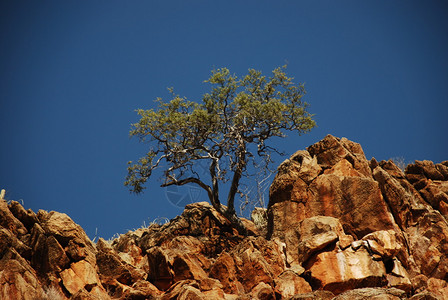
<point x="73" y="72"/>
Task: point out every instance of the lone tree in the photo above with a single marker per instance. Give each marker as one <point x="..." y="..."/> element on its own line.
<point x="229" y="129"/>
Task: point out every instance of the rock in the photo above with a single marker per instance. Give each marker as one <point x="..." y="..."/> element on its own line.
<point x="350" y="199"/>
<point x="426" y="168"/>
<point x="424" y="296"/>
<point x="64" y="230"/>
<point x="438" y="287"/>
<point x="338" y="271"/>
<point x="9" y="221"/>
<point x="405" y="202"/>
<point x="185" y="289"/>
<point x="27" y="217"/>
<point x="17" y="279"/>
<point x="316" y="295"/>
<point x="289" y="283"/>
<point x="80" y="275"/>
<point x="386" y="243"/>
<point x="160" y="274"/>
<point x="224" y="270"/>
<point x="345" y="190"/>
<point x="263" y="291"/>
<point x="372" y="293"/>
<point x="316" y="233"/>
<point x="111" y="266"/>
<point x="399" y="277"/>
<point x="257" y="260"/>
<point x="331" y="150"/>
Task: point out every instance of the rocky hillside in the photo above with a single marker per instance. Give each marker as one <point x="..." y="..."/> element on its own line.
<point x="338" y="227"/>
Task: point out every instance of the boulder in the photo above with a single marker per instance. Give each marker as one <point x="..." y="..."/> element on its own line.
<point x="315" y="234"/>
<point x="263" y="291"/>
<point x="338" y="271"/>
<point x="80" y="275"/>
<point x="289" y="283"/>
<point x="372" y="293"/>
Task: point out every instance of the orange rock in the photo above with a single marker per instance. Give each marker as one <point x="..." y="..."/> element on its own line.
<point x="338" y="271"/>
<point x="288" y="284"/>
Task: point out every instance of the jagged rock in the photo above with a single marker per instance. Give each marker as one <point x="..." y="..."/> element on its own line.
<point x="110" y="265"/>
<point x="372" y="293"/>
<point x="9" y="221"/>
<point x="332" y="150"/>
<point x="225" y="271"/>
<point x="438" y="287"/>
<point x="386" y="243"/>
<point x="425" y="296"/>
<point x="27" y="217"/>
<point x="17" y="279"/>
<point x="338" y="271"/>
<point x="316" y="295"/>
<point x="315" y="234"/>
<point x="64" y="230"/>
<point x="399" y="277"/>
<point x="263" y="291"/>
<point x="80" y="275"/>
<point x="289" y="283"/>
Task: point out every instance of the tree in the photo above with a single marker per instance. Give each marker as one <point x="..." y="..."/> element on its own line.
<point x="229" y="129"/>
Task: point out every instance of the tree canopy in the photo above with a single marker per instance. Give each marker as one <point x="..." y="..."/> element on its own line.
<point x="229" y="128"/>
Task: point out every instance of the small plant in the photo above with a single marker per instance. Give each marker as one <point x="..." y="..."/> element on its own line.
<point x="400" y="162"/>
<point x="52" y="293"/>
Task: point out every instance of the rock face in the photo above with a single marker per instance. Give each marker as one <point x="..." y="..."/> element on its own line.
<point x="338" y="227"/>
<point x="352" y="223"/>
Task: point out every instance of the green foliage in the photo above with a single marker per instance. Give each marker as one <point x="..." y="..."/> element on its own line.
<point x="229" y="128"/>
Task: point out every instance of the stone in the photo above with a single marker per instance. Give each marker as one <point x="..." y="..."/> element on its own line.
<point x="112" y="266"/>
<point x="257" y="260"/>
<point x="184" y="289"/>
<point x="372" y="293"/>
<point x="338" y="271"/>
<point x="27" y="217"/>
<point x="263" y="291"/>
<point x="317" y="233"/>
<point x="187" y="266"/>
<point x="331" y="150"/>
<point x="386" y="243"/>
<point x="80" y="275"/>
<point x="399" y="277"/>
<point x="288" y="284"/>
<point x="224" y="270"/>
<point x="426" y="168"/>
<point x="316" y="295"/>
<point x="18" y="280"/>
<point x="9" y="221"/>
<point x="160" y="274"/>
<point x="425" y="296"/>
<point x="438" y="287"/>
<point x="350" y="199"/>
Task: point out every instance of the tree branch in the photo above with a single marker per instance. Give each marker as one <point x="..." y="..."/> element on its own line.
<point x="191" y="180"/>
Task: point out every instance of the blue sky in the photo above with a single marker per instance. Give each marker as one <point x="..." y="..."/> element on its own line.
<point x="73" y="72"/>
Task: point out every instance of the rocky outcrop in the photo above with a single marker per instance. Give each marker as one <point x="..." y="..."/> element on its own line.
<point x="353" y="223"/>
<point x="337" y="227"/>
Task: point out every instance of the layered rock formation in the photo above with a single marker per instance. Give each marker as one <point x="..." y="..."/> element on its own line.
<point x="339" y="227"/>
<point x="353" y="223"/>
